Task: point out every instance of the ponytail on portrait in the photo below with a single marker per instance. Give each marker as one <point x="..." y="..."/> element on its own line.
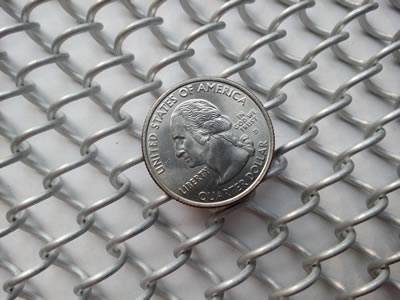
<point x="247" y="144"/>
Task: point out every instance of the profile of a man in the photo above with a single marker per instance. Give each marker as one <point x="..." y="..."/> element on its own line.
<point x="203" y="136"/>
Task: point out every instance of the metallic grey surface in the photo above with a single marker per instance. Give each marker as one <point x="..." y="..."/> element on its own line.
<point x="208" y="142"/>
<point x="338" y="99"/>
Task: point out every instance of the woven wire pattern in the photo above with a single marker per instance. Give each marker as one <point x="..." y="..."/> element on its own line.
<point x="335" y="103"/>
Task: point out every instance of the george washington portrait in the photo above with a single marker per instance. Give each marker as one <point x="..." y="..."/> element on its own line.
<point x="203" y="135"/>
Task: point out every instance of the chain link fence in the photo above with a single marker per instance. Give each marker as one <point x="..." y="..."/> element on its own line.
<point x="82" y="218"/>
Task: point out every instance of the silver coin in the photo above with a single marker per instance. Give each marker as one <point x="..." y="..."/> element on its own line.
<point x="208" y="142"/>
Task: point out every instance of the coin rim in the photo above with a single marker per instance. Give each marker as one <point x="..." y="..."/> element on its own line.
<point x="239" y="196"/>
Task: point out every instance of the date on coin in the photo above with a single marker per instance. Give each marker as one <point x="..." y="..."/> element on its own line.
<point x="207" y="142"/>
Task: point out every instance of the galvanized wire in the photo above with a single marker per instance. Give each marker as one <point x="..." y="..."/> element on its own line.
<point x="338" y="100"/>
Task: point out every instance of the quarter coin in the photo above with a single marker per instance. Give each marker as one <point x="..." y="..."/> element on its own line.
<point x="207" y="142"/>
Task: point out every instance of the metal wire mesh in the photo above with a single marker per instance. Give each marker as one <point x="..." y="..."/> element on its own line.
<point x="337" y="106"/>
